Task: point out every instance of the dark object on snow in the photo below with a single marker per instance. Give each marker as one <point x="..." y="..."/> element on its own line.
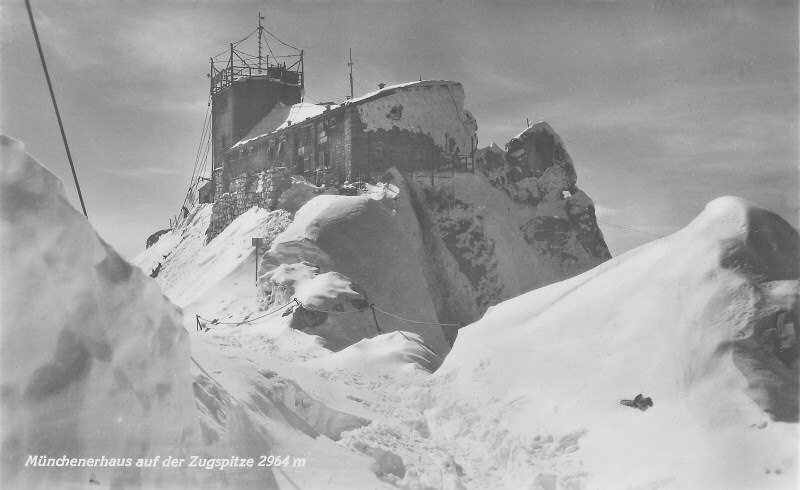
<point x="640" y="402"/>
<point x="202" y="326"/>
<point x="303" y="318"/>
<point x="152" y="239"/>
<point x="155" y="271"/>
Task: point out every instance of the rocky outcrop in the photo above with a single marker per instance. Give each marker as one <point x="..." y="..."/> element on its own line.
<point x="537" y="171"/>
<point x="340" y="255"/>
<point x="152" y="239"/>
<point x="316" y="294"/>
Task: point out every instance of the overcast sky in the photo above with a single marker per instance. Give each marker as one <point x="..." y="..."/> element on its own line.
<point x="663" y="105"/>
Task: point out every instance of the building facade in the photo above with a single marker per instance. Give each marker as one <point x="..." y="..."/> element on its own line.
<point x="263" y="133"/>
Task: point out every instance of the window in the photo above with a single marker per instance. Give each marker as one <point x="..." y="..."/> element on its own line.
<point x="377" y="155"/>
<point x="395" y="113"/>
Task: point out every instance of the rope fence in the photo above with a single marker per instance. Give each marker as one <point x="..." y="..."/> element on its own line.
<point x="296" y="301"/>
<point x="629" y="229"/>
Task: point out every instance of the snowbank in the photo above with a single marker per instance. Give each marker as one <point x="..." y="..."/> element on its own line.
<point x="399" y="355"/>
<point x="704" y="322"/>
<point x="95" y="362"/>
<point x="363" y="240"/>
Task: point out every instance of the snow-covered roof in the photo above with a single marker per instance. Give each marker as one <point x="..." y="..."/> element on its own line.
<point x="281" y="117"/>
<point x="391" y="88"/>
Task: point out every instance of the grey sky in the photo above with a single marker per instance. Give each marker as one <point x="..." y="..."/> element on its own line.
<point x="663" y="105"/>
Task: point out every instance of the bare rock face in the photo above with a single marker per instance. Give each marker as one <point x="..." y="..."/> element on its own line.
<point x="537" y="170"/>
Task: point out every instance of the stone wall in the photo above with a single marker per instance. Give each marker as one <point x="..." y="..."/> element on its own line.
<point x="247" y="190"/>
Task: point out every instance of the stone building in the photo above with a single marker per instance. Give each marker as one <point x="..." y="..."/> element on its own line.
<point x="263" y="133"/>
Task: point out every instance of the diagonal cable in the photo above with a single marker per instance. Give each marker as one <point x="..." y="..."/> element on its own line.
<point x="55" y="106"/>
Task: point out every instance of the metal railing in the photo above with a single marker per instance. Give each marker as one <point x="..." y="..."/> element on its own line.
<point x="239" y="64"/>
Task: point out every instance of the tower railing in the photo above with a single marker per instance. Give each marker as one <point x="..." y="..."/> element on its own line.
<point x="234" y="63"/>
<point x="225" y="73"/>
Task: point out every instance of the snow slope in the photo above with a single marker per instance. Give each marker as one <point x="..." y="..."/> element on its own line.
<point x="704" y="321"/>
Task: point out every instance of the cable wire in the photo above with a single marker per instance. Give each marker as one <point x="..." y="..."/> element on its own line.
<point x="455" y="106"/>
<point x="55" y="106"/>
<point x="287" y="45"/>
<point x="415" y="321"/>
<point x="245" y="38"/>
<point x="329" y="311"/>
<point x="248" y="320"/>
<point x="629" y="229"/>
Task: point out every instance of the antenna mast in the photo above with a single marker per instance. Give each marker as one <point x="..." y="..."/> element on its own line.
<point x="260" y="35"/>
<point x="351" y="72"/>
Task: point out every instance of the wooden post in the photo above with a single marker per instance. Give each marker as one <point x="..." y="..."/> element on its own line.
<point x="433" y="167"/>
<point x="375" y="317"/>
<point x="351" y="72"/>
<point x="256" y="242"/>
<point x="260" y="35"/>
<point x="212" y="77"/>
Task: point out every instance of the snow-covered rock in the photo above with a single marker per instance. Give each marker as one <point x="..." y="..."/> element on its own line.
<point x="517" y="224"/>
<point x="537" y="170"/>
<point x="376" y="258"/>
<point x="705" y="322"/>
<point x="95" y="361"/>
<point x="396" y="355"/>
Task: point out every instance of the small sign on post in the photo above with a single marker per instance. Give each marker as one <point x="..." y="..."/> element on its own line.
<point x="258" y="243"/>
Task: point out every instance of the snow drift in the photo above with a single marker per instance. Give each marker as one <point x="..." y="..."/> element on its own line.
<point x="377" y="260"/>
<point x="95" y="361"/>
<point x="704" y="321"/>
